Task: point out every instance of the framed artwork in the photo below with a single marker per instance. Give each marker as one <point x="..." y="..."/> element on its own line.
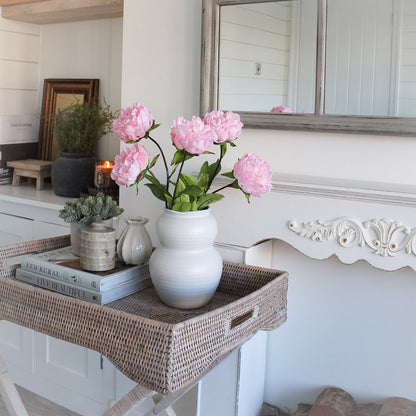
<point x="59" y="94"/>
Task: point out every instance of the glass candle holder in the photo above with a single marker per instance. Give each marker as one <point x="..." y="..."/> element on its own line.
<point x="102" y="177"/>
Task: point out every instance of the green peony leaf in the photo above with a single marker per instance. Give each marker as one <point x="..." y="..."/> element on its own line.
<point x="228" y="175"/>
<point x="208" y="199"/>
<point x="187" y="179"/>
<point x="159" y="192"/>
<point x="194" y="190"/>
<point x="182" y="206"/>
<point x="203" y="177"/>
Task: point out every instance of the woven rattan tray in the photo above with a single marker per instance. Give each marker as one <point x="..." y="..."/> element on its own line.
<point x="159" y="347"/>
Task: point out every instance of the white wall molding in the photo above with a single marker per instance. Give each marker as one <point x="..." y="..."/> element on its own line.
<point x="382" y="193"/>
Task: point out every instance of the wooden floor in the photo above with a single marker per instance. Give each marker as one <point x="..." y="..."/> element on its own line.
<point x="37" y="406"/>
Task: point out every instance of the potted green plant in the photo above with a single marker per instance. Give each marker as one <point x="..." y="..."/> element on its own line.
<point x="77" y="131"/>
<point x="83" y="211"/>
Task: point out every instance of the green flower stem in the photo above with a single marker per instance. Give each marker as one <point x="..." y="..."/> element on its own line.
<point x="164" y="162"/>
<point x="218" y="167"/>
<point x="223" y="187"/>
<point x="179" y="175"/>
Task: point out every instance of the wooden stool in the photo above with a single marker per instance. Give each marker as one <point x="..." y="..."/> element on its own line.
<point x="31" y="168"/>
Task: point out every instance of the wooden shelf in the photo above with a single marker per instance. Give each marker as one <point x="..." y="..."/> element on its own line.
<point x="60" y="11"/>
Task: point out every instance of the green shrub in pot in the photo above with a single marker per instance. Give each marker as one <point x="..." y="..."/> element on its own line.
<point x="83" y="211"/>
<point x="77" y="131"/>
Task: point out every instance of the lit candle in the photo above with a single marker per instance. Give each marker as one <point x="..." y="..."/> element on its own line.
<point x="102" y="178"/>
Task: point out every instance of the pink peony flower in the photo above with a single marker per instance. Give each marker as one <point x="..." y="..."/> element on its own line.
<point x="129" y="164"/>
<point x="193" y="136"/>
<point x="133" y="123"/>
<point x="253" y="175"/>
<point x="281" y="109"/>
<point x="227" y="127"/>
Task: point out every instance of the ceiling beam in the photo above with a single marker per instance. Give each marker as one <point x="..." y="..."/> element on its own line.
<point x="60" y="11"/>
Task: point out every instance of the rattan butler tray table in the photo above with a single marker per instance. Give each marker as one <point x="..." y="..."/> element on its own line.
<point x="164" y="350"/>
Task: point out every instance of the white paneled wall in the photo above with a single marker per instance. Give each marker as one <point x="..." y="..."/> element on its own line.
<point x="90" y="49"/>
<point x="249" y="36"/>
<point x="359" y="57"/>
<point x="407" y="91"/>
<point x="19" y="67"/>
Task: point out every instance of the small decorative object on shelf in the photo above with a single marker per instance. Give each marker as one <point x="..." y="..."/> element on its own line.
<point x="98" y="247"/>
<point x="83" y="211"/>
<point x="190" y="196"/>
<point x="102" y="178"/>
<point x="134" y="245"/>
<point x="78" y="130"/>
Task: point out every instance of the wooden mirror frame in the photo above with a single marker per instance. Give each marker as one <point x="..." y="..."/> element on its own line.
<point x="388" y="125"/>
<point x="52" y="87"/>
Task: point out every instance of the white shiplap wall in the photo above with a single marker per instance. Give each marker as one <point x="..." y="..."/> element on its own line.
<point x="359" y="57"/>
<point x="19" y="67"/>
<point x="407" y="86"/>
<point x="89" y="49"/>
<point x="251" y="35"/>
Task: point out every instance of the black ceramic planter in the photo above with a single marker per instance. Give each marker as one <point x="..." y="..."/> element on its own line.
<point x="72" y="174"/>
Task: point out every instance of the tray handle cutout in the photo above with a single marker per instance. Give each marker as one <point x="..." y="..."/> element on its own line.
<point x="239" y="320"/>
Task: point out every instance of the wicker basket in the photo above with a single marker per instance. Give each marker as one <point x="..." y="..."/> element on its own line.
<point x="159" y="347"/>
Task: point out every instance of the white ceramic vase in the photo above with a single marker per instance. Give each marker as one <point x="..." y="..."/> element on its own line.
<point x="134" y="245"/>
<point x="186" y="268"/>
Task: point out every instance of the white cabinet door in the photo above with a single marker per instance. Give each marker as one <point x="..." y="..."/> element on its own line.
<point x="15" y="229"/>
<point x="16" y="346"/>
<point x="69" y="366"/>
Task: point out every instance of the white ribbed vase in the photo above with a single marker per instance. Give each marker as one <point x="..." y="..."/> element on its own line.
<point x="134" y="245"/>
<point x="186" y="268"/>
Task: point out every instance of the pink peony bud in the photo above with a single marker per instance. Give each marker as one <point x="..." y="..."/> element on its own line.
<point x="253" y="174"/>
<point x="193" y="136"/>
<point x="227" y="127"/>
<point x="128" y="165"/>
<point x="281" y="109"/>
<point x="133" y="123"/>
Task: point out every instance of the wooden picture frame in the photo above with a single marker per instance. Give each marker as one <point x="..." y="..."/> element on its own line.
<point x="59" y="94"/>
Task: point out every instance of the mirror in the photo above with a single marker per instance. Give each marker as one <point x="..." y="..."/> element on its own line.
<point x="328" y="65"/>
<point x="59" y="94"/>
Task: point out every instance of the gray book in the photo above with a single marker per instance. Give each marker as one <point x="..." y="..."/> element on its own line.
<point x="62" y="265"/>
<point x="117" y="292"/>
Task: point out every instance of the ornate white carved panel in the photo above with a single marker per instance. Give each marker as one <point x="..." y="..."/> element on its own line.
<point x="385" y="237"/>
<point x="353" y="220"/>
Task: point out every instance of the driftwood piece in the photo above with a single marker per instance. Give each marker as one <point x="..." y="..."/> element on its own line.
<point x="368" y="409"/>
<point x="397" y="406"/>
<point x="333" y="402"/>
<point x="303" y="409"/>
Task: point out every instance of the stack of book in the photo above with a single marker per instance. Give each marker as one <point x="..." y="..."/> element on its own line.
<point x="59" y="270"/>
<point x="5" y="176"/>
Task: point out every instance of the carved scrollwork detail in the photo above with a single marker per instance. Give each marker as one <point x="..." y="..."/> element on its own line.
<point x="386" y="237"/>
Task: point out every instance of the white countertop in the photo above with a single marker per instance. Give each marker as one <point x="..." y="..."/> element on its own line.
<point x="28" y="194"/>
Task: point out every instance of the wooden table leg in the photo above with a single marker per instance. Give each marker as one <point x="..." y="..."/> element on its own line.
<point x="130" y="402"/>
<point x="9" y="393"/>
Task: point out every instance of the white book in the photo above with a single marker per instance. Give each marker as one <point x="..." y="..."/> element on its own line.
<point x="62" y="265"/>
<point x="117" y="292"/>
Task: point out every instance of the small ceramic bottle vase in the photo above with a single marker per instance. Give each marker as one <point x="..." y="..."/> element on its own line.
<point x="134" y="245"/>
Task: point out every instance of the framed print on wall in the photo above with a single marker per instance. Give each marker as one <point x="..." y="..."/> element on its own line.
<point x="59" y="94"/>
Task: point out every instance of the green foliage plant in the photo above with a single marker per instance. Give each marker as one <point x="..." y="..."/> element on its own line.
<point x="90" y="208"/>
<point x="78" y="128"/>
